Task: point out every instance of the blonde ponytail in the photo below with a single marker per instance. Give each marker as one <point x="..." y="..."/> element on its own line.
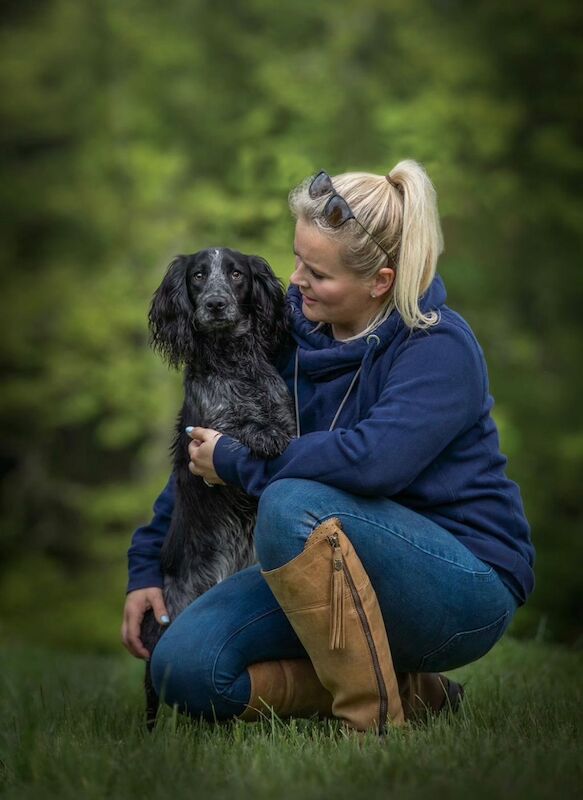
<point x="421" y="241"/>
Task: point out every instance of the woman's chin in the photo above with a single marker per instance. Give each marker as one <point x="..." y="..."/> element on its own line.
<point x="309" y="311"/>
<point x="313" y="312"/>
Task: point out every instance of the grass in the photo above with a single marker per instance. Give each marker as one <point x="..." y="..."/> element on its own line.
<point x="71" y="727"/>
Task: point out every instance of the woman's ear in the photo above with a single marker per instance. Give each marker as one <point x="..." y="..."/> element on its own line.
<point x="383" y="281"/>
<point x="170" y="316"/>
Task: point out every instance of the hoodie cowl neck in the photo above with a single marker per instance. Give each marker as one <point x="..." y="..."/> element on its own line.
<point x="321" y="356"/>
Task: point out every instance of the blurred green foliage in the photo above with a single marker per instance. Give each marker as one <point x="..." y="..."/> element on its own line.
<point x="133" y="130"/>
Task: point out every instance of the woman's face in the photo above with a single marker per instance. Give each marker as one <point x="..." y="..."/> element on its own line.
<point x="330" y="292"/>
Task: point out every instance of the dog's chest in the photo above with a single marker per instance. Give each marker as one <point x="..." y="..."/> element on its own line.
<point x="225" y="401"/>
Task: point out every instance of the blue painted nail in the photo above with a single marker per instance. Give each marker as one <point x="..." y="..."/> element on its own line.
<point x="164" y="620"/>
<point x="189" y="429"/>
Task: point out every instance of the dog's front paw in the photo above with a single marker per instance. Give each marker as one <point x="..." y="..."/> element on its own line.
<point x="269" y="443"/>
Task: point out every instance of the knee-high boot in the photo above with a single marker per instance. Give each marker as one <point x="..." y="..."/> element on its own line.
<point x="329" y="601"/>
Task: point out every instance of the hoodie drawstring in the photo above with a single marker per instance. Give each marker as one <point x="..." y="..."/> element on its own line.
<point x="372" y="342"/>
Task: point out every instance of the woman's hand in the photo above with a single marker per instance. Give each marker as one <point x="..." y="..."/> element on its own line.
<point x="201" y="451"/>
<point x="137" y="603"/>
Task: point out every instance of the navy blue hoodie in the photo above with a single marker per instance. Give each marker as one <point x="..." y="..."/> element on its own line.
<point x="414" y="426"/>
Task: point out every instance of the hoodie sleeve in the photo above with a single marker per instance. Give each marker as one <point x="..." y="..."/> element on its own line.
<point x="435" y="389"/>
<point x="144" y="553"/>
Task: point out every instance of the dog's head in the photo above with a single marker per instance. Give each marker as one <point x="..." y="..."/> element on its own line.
<point x="216" y="292"/>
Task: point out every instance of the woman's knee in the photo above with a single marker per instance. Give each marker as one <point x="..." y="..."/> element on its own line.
<point x="201" y="677"/>
<point x="283" y="521"/>
<point x="182" y="676"/>
<point x="200" y="662"/>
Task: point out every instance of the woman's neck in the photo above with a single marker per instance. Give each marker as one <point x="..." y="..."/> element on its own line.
<point x="358" y="328"/>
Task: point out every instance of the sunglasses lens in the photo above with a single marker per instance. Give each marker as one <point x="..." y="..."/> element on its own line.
<point x="337" y="211"/>
<point x="321" y="185"/>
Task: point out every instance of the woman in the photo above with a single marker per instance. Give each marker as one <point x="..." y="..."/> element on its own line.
<point x="397" y="460"/>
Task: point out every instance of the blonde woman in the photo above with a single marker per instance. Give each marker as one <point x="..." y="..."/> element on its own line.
<point x="391" y="544"/>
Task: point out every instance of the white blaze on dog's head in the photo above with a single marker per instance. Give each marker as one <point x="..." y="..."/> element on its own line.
<point x="217" y="280"/>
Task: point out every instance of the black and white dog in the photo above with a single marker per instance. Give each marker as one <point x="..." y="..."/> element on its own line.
<point x="220" y="314"/>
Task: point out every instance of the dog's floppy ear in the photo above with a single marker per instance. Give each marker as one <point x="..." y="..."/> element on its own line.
<point x="268" y="305"/>
<point x="170" y="317"/>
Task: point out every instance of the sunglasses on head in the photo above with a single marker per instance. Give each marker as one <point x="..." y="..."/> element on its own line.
<point x="336" y="211"/>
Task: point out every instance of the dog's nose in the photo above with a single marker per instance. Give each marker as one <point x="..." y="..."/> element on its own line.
<point x="214" y="304"/>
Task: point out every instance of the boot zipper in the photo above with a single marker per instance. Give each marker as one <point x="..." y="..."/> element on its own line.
<point x="339" y="569"/>
<point x="337" y="597"/>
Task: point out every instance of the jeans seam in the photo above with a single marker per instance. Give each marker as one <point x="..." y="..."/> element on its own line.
<point x="403" y="538"/>
<point x="460" y="633"/>
<point x="225" y="643"/>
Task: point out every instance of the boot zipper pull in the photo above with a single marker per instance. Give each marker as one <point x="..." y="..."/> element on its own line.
<point x="336" y="596"/>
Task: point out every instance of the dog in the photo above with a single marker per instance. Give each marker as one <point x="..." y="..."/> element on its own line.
<point x="221" y="315"/>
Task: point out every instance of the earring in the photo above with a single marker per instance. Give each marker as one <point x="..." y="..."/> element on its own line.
<point x="372" y="294"/>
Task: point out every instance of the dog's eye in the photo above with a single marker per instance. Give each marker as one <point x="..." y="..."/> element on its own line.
<point x="236" y="274"/>
<point x="198" y="276"/>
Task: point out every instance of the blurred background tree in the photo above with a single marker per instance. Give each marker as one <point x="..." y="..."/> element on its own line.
<point x="134" y="130"/>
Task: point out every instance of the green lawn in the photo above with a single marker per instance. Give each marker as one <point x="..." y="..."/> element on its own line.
<point x="71" y="728"/>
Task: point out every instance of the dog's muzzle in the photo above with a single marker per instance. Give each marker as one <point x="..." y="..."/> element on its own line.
<point x="217" y="311"/>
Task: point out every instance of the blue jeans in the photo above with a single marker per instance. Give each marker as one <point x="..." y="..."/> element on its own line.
<point x="442" y="606"/>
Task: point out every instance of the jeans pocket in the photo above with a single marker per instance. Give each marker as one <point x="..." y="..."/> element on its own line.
<point x="464" y="647"/>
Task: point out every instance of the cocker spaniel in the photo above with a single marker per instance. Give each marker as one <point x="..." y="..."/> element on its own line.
<point x="220" y="315"/>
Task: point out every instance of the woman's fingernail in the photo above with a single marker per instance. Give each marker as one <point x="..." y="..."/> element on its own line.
<point x="164" y="619"/>
<point x="189" y="430"/>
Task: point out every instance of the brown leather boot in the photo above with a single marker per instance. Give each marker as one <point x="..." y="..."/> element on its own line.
<point x="290" y="686"/>
<point x="328" y="599"/>
<point x="426" y="694"/>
